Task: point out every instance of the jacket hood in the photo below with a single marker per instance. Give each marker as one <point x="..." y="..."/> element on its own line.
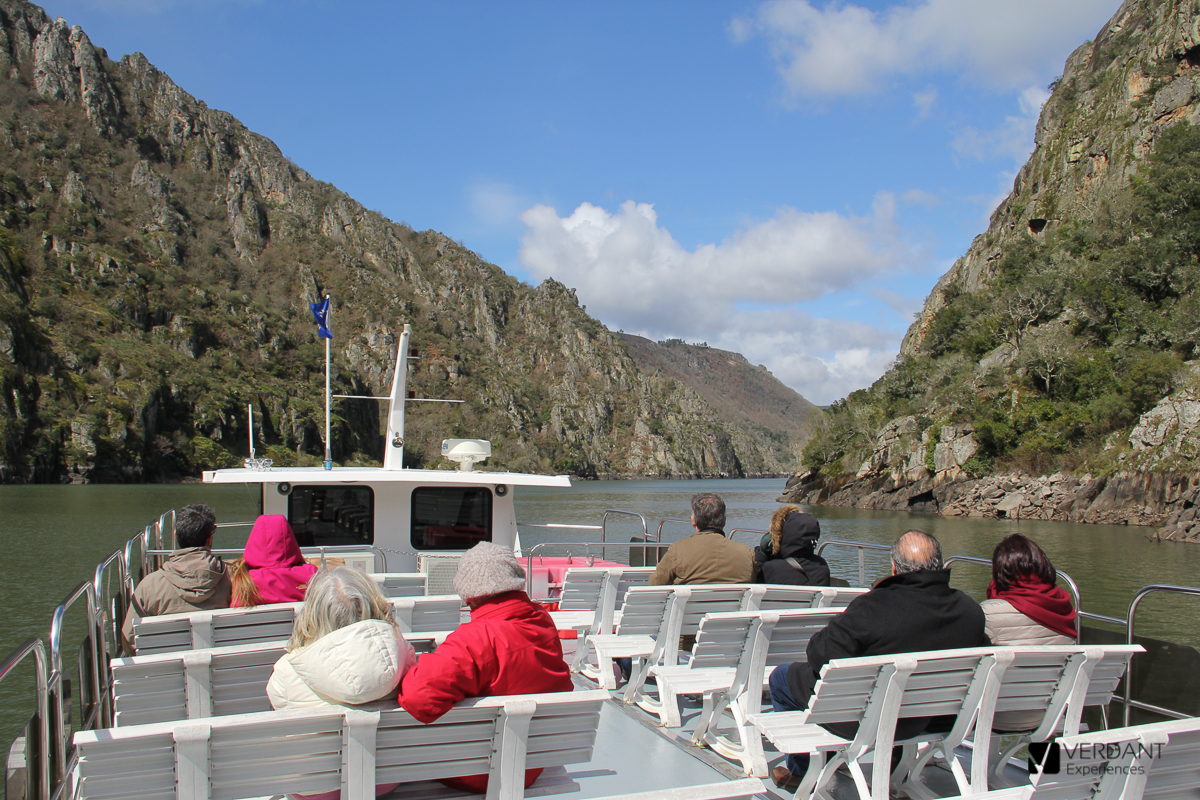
<point x="195" y="573"/>
<point x="356" y="664"/>
<point x="272" y="544"/>
<point x="793" y="532"/>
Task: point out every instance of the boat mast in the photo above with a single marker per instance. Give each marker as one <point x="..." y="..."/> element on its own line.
<point x="393" y="457"/>
<point x="328" y="398"/>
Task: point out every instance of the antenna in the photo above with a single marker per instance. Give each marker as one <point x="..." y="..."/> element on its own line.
<point x="252" y="462"/>
<point x="393" y="456"/>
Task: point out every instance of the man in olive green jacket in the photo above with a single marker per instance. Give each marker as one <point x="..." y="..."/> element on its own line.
<point x="706" y="556"/>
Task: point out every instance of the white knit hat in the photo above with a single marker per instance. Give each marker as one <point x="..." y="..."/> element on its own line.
<point x="487" y="569"/>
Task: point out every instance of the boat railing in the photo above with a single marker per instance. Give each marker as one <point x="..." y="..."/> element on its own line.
<point x="92" y="674"/>
<point x="602" y="527"/>
<point x="324" y="551"/>
<point x="141" y="543"/>
<point x="861" y="547"/>
<point x="36" y="752"/>
<point x="619" y="512"/>
<point x="665" y="520"/>
<point x="1130" y="618"/>
<point x="588" y="557"/>
<point x="111" y="603"/>
<point x="1072" y="587"/>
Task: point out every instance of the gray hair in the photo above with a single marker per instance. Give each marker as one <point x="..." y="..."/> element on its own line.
<point x="336" y="598"/>
<point x="709" y="510"/>
<point x="916" y="551"/>
<point x="194" y="525"/>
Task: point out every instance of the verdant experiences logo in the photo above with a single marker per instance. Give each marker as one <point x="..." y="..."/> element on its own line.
<point x="1126" y="758"/>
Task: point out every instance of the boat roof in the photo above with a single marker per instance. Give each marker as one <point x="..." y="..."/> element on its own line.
<point x="376" y="475"/>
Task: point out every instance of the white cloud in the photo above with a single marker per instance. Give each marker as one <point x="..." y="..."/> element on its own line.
<point x="845" y="49"/>
<point x="495" y="205"/>
<point x="920" y="197"/>
<point x="1013" y="139"/>
<point x="741" y="294"/>
<point x="924" y="101"/>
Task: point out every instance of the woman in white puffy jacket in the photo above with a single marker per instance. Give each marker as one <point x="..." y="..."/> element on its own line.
<point x="345" y="649"/>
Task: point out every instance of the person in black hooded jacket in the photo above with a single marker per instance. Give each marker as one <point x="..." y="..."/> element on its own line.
<point x="786" y="554"/>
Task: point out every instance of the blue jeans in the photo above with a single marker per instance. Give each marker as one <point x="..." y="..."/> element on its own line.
<point x="782" y="700"/>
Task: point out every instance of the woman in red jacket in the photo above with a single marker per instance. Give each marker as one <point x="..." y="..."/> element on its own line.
<point x="510" y="646"/>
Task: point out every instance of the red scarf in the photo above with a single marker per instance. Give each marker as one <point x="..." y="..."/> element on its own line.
<point x="1048" y="606"/>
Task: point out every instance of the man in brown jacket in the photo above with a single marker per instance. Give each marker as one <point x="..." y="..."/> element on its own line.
<point x="706" y="556"/>
<point x="193" y="579"/>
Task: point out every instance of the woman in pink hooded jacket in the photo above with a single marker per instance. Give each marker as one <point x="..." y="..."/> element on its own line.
<point x="272" y="570"/>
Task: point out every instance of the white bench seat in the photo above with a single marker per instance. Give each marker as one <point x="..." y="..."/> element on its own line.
<point x="335" y="748"/>
<point x="428" y="619"/>
<point x="779" y="637"/>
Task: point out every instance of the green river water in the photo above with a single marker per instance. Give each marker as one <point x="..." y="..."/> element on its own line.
<point x="52" y="537"/>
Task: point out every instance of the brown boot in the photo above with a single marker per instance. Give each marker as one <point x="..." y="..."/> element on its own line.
<point x="784" y="779"/>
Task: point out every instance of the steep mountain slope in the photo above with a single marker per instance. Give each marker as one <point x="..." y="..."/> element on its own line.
<point x="156" y="259"/>
<point x="1060" y="340"/>
<point x="738" y="390"/>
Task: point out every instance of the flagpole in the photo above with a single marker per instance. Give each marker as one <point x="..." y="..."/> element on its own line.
<point x="328" y="449"/>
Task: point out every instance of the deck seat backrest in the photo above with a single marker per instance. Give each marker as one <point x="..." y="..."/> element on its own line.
<point x="218" y="628"/>
<point x="400" y="584"/>
<point x="929" y="684"/>
<point x="842" y="596"/>
<point x="225" y="627"/>
<point x="439" y="612"/>
<point x="722" y="639"/>
<point x="584" y="589"/>
<point x="643" y="610"/>
<point x="193" y="684"/>
<point x="776" y="597"/>
<point x="334" y="748"/>
<point x="628" y="577"/>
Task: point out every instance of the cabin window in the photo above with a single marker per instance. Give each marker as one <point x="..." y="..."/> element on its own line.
<point x="332" y="515"/>
<point x="451" y="518"/>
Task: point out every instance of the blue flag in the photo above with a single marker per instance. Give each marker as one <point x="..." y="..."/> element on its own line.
<point x="321" y="315"/>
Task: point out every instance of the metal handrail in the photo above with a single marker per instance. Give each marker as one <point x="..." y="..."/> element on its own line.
<point x="587" y="546"/>
<point x="604" y="522"/>
<point x="747" y="530"/>
<point x="862" y="547"/>
<point x="35" y="646"/>
<point x="54" y="683"/>
<point x="321" y="550"/>
<point x="1071" y="585"/>
<point x="665" y="520"/>
<point x="162" y="525"/>
<point x="1129" y="618"/>
<point x="235" y="524"/>
<point x="128" y="558"/>
<point x="559" y="525"/>
<point x="98" y="584"/>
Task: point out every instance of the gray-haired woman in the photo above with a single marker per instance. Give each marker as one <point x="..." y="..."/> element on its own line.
<point x="345" y="647"/>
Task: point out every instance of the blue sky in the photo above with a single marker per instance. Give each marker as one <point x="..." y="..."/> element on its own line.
<point x="785" y="179"/>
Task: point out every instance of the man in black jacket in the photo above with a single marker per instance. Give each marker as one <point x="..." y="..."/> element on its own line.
<point x="912" y="611"/>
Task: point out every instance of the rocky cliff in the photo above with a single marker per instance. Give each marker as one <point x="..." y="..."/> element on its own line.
<point x="156" y="259"/>
<point x="1052" y="372"/>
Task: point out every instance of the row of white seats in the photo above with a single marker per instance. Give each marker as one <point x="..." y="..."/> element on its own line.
<point x="970" y="685"/>
<point x="352" y="750"/>
<point x="653" y="618"/>
<point x="420" y="618"/>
